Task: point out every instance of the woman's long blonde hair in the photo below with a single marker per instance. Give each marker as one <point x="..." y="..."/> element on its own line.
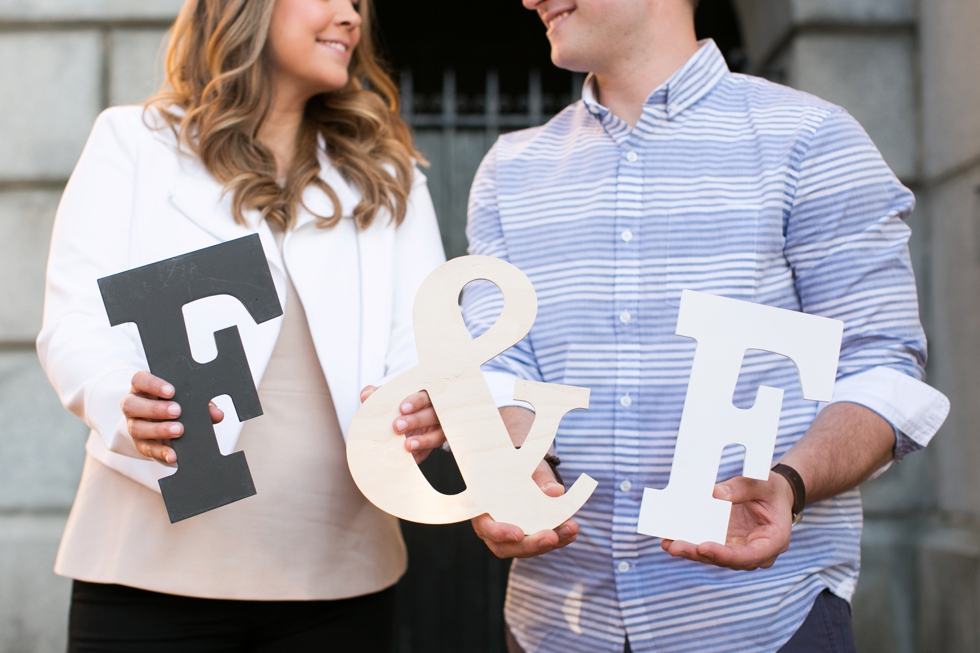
<point x="219" y="76"/>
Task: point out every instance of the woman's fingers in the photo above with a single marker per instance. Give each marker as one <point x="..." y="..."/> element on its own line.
<point x="156" y="450"/>
<point x="138" y="407"/>
<point x="367" y="392"/>
<point x="142" y="429"/>
<point x="421" y="419"/>
<point x="154" y="386"/>
<point x="415" y="403"/>
<point x="216" y="413"/>
<point x="427" y="441"/>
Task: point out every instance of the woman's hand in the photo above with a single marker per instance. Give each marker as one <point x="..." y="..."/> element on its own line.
<point x="418" y="422"/>
<point x="149" y="416"/>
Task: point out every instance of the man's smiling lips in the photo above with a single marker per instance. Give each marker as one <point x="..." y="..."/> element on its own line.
<point x="555" y="16"/>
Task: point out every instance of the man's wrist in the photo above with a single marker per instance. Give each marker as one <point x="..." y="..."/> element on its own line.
<point x="797" y="489"/>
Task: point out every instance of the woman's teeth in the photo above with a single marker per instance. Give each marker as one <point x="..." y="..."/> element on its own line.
<point x="335" y="45"/>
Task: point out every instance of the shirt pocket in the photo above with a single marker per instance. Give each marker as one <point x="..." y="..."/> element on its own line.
<point x="715" y="253"/>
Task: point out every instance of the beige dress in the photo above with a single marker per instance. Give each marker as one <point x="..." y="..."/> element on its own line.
<point x="308" y="534"/>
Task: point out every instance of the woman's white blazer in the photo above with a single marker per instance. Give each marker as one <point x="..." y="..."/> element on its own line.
<point x="135" y="198"/>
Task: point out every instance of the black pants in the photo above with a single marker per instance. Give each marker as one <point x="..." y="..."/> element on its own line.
<point x="115" y="618"/>
<point x="827" y="629"/>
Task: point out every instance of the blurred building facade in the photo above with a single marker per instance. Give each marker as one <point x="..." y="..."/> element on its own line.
<point x="906" y="69"/>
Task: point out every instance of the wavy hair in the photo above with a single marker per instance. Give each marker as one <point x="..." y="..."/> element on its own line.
<point x="218" y="92"/>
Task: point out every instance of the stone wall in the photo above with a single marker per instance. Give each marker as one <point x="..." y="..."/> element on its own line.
<point x="61" y="63"/>
<point x="908" y="72"/>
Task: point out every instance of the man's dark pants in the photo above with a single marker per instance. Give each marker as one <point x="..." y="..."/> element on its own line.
<point x="827" y="629"/>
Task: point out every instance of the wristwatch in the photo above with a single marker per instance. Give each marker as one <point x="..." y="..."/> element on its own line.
<point x="799" y="489"/>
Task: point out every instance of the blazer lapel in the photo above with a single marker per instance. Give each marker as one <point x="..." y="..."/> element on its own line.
<point x="204" y="202"/>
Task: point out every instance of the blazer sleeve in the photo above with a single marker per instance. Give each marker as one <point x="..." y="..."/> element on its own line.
<point x="89" y="363"/>
<point x="418" y="251"/>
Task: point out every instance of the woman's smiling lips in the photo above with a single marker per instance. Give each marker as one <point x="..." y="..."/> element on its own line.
<point x="338" y="46"/>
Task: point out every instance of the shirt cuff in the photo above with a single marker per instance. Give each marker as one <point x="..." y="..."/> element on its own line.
<point x="911" y="406"/>
<point x="914" y="409"/>
<point x="501" y="386"/>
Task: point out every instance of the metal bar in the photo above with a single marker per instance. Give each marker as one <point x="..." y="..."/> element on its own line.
<point x="449" y="98"/>
<point x="492" y="107"/>
<point x="578" y="81"/>
<point x="408" y="99"/>
<point x="535" y="106"/>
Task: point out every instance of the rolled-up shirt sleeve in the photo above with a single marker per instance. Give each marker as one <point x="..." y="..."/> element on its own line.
<point x="847" y="244"/>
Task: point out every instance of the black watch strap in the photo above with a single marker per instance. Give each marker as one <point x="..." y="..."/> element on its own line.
<point x="799" y="489"/>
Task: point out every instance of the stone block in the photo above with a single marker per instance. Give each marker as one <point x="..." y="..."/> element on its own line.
<point x="876" y="12"/>
<point x="950" y="83"/>
<point x="135" y="65"/>
<point x="33" y="601"/>
<point x="51" y="94"/>
<point x="948" y="578"/>
<point x="954" y="217"/>
<point x="26" y="218"/>
<point x="906" y="487"/>
<point x="870" y="75"/>
<point x="765" y="23"/>
<point x="42" y="447"/>
<point x="89" y="9"/>
<point x="883" y="605"/>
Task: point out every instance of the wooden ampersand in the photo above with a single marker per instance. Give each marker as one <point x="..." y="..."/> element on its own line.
<point x="497" y="475"/>
<point x="725" y="329"/>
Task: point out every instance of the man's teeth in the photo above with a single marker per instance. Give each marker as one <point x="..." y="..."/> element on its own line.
<point x="554" y="21"/>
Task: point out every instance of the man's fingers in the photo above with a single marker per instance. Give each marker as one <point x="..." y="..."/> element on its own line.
<point x="739" y="490"/>
<point x="152" y="385"/>
<point x="545" y="478"/>
<point x="488" y="529"/>
<point x="508" y="541"/>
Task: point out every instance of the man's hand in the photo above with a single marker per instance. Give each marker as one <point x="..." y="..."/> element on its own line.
<point x="509" y="541"/>
<point x="418" y="422"/>
<point x="759" y="528"/>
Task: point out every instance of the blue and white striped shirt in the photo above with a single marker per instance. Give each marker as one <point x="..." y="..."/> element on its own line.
<point x="731" y="185"/>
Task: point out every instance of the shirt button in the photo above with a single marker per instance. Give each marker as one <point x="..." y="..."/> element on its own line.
<point x="632" y="156"/>
<point x="624" y="567"/>
<point x="626" y="401"/>
<point x="627" y="235"/>
<point x="625" y="317"/>
<point x="626" y="486"/>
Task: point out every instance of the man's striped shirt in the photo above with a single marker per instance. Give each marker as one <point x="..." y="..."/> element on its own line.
<point x="731" y="185"/>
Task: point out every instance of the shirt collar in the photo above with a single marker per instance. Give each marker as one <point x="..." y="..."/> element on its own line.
<point x="691" y="82"/>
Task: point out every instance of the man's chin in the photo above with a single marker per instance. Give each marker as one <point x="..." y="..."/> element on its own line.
<point x="569" y="58"/>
